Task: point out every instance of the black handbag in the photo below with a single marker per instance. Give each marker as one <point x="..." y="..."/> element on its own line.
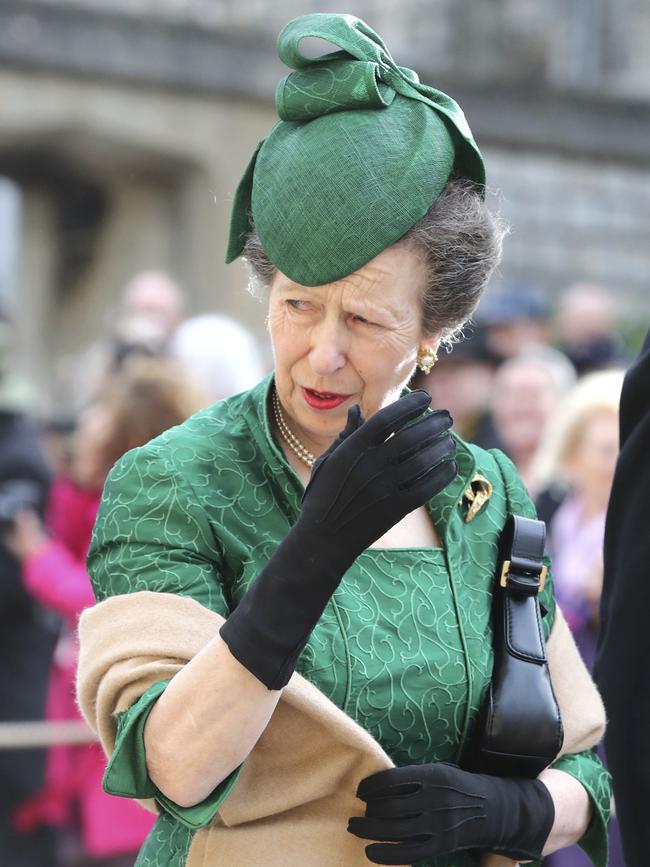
<point x="519" y="730"/>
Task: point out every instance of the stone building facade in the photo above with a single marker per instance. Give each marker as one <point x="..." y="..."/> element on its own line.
<point x="125" y="125"/>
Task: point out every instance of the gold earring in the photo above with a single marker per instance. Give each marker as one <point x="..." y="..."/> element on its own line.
<point x="426" y="359"/>
<point x="267" y="324"/>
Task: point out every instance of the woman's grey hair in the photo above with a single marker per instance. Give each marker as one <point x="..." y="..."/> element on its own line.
<point x="459" y="240"/>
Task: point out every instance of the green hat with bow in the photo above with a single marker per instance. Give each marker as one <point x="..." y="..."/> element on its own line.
<point x="360" y="153"/>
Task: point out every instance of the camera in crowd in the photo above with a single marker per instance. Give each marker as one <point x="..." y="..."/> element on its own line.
<point x="15" y="495"/>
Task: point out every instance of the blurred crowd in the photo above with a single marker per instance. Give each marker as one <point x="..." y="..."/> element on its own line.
<point x="541" y="384"/>
<point x="152" y="370"/>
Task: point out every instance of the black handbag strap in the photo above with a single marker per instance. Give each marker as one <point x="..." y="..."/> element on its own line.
<point x="519" y="729"/>
<point x="522" y="574"/>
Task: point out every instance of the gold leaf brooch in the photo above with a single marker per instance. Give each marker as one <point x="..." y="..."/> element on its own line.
<point x="476" y="496"/>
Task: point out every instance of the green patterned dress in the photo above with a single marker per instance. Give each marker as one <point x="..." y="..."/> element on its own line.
<point x="403" y="647"/>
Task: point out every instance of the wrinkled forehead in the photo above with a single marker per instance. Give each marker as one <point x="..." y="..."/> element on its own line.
<point x="392" y="281"/>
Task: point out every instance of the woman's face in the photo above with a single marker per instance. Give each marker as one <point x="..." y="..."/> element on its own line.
<point x="523" y="399"/>
<point x="352" y="341"/>
<point x="592" y="461"/>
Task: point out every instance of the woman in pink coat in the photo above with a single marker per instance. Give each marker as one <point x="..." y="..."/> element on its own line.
<point x="147" y="397"/>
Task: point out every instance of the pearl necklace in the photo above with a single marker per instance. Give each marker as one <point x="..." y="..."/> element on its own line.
<point x="291" y="439"/>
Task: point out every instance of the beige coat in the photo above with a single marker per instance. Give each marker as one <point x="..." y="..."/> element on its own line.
<point x="297" y="788"/>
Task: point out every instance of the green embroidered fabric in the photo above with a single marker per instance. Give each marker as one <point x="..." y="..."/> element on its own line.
<point x="361" y="151"/>
<point x="404" y="647"/>
<point x="167" y="844"/>
<point x="392" y="629"/>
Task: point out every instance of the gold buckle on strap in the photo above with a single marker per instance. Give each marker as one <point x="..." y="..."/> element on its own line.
<point x="505" y="575"/>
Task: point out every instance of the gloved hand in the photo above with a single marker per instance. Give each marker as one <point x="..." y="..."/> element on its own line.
<point x="422" y="811"/>
<point x="372" y="475"/>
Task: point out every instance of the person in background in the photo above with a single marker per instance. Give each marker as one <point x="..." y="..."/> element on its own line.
<point x="514" y="319"/>
<point x="27" y="634"/>
<point x="462" y="381"/>
<point x="56" y="437"/>
<point x="526" y="392"/>
<point x="624" y="643"/>
<point x="578" y="456"/>
<point x="586" y="328"/>
<point x="155" y="296"/>
<point x="147" y="397"/>
<point x="579" y="453"/>
<point x="223" y="355"/>
<point x="151" y="308"/>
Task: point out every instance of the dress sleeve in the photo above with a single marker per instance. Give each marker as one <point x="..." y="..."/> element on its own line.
<point x="585" y="766"/>
<point x="588" y="769"/>
<point x="152" y="534"/>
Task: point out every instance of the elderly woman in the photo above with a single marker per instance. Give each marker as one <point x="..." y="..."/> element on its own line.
<point x="295" y="585"/>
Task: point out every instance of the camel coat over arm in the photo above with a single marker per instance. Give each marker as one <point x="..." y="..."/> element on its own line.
<point x="298" y="786"/>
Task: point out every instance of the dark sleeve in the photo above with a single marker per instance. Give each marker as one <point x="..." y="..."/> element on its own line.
<point x="27" y="634"/>
<point x="624" y="646"/>
<point x="21" y="460"/>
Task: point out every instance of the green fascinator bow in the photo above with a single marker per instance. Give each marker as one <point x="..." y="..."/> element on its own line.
<point x="361" y="151"/>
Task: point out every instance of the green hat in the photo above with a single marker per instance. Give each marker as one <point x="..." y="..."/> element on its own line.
<point x="360" y="153"/>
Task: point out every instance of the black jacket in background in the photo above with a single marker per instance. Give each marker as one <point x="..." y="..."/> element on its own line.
<point x="27" y="635"/>
<point x="623" y="663"/>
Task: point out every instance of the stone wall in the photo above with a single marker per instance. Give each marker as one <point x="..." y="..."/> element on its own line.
<point x="595" y="45"/>
<point x="575" y="220"/>
<point x="165" y="165"/>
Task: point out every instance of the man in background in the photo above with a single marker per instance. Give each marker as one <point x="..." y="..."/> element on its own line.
<point x="587" y="330"/>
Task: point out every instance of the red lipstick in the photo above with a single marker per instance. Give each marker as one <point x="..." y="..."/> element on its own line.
<point x="323" y="399"/>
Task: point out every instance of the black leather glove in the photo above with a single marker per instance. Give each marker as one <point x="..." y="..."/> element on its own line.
<point x="428" y="810"/>
<point x="373" y="474"/>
